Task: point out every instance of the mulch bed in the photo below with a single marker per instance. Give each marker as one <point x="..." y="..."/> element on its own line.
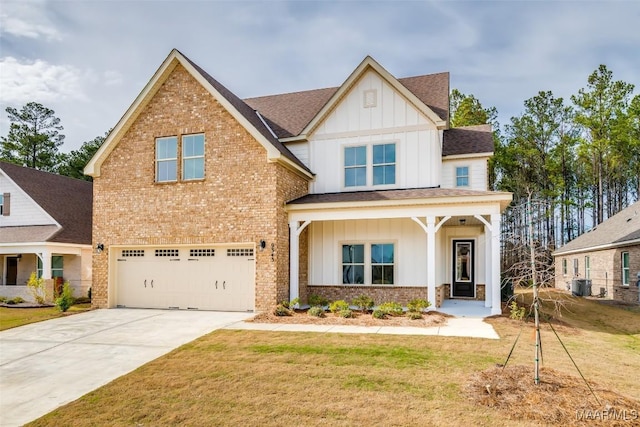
<point x="558" y="399"/>
<point x="431" y="318"/>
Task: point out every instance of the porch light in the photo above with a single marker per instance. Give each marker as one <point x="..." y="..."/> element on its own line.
<point x="263" y="245"/>
<point x="100" y="247"/>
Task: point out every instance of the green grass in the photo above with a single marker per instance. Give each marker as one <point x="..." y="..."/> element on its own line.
<point x="277" y="378"/>
<point x="11" y="317"/>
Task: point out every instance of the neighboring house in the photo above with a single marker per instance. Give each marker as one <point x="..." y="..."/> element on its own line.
<point x="45" y="228"/>
<point x="608" y="255"/>
<point x="203" y="200"/>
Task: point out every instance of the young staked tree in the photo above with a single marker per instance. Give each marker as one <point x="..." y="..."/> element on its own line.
<point x="34" y="137"/>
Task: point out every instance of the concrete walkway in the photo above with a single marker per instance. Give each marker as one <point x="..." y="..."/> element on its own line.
<point x="47" y="364"/>
<point x="473" y="327"/>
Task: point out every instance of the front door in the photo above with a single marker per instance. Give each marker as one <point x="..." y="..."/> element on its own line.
<point x="463" y="261"/>
<point x="12" y="271"/>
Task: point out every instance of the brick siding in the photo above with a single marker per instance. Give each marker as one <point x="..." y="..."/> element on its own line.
<point x="240" y="200"/>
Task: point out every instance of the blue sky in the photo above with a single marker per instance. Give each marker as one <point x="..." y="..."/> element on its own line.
<point x="88" y="60"/>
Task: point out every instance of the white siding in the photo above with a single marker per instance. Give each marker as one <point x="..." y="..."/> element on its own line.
<point x="300" y="150"/>
<point x="326" y="238"/>
<point x="24" y="211"/>
<point x="477" y="172"/>
<point x="392" y="120"/>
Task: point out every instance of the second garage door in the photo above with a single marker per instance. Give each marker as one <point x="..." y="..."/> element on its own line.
<point x="203" y="278"/>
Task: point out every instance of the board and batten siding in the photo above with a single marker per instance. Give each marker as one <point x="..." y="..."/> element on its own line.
<point x="477" y="172"/>
<point x="24" y="211"/>
<point x="391" y="120"/>
<point x="326" y="239"/>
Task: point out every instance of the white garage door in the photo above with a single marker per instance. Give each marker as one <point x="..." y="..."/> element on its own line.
<point x="211" y="278"/>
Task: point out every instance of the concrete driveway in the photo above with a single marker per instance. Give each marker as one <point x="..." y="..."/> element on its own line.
<point x="48" y="364"/>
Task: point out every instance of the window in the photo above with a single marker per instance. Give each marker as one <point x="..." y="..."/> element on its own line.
<point x="355" y="166"/>
<point x="587" y="267"/>
<point x="353" y="264"/>
<point x="382" y="264"/>
<point x="575" y="267"/>
<point x="462" y="176"/>
<point x="625" y="269"/>
<point x="57" y="263"/>
<point x="166" y="159"/>
<point x="193" y="157"/>
<point x="564" y="266"/>
<point x="4" y="204"/>
<point x="384" y="164"/>
<point x="1" y="204"/>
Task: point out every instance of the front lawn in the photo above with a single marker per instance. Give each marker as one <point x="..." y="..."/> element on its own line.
<point x="11" y="317"/>
<point x="276" y="378"/>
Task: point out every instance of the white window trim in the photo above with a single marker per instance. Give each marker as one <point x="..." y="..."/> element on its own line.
<point x="367" y="261"/>
<point x="468" y="176"/>
<point x="628" y="268"/>
<point x="157" y="161"/>
<point x="343" y="167"/>
<point x="185" y="158"/>
<point x="369" y="166"/>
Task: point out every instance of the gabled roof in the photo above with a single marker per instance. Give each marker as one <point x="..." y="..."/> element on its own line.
<point x="67" y="200"/>
<point x="468" y="140"/>
<point x="244" y="114"/>
<point x="620" y="230"/>
<point x="288" y="114"/>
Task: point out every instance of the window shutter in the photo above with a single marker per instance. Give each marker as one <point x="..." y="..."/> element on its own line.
<point x="6" y="204"/>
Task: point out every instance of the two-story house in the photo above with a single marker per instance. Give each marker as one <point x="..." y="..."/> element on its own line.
<point x="203" y="200"/>
<point x="45" y="228"/>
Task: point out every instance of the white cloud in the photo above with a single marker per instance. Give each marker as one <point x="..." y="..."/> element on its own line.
<point x="40" y="81"/>
<point x="27" y="19"/>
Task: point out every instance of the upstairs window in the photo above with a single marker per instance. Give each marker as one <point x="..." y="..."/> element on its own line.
<point x="587" y="267"/>
<point x="193" y="157"/>
<point x="4" y="204"/>
<point x="462" y="176"/>
<point x="355" y="166"/>
<point x="564" y="266"/>
<point x="625" y="269"/>
<point x="167" y="159"/>
<point x="384" y="164"/>
<point x="1" y="204"/>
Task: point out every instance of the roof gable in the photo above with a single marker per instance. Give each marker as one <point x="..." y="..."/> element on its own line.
<point x="621" y="229"/>
<point x="365" y="66"/>
<point x="67" y="200"/>
<point x="243" y="113"/>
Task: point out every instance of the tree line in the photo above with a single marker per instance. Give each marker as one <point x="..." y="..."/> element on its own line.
<point x="580" y="160"/>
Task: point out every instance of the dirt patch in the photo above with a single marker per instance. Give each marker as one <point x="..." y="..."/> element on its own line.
<point x="431" y="318"/>
<point x="559" y="399"/>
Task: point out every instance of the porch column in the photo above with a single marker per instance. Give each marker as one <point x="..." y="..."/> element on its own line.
<point x="294" y="261"/>
<point x="488" y="278"/>
<point x="431" y="260"/>
<point x="45" y="258"/>
<point x="495" y="264"/>
<point x="294" y="258"/>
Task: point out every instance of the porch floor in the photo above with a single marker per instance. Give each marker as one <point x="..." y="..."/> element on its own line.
<point x="464" y="308"/>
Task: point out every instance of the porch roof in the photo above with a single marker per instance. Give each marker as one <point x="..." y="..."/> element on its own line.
<point x="31" y="233"/>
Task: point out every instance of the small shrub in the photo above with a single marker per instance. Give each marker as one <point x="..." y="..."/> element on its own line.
<point x="65" y="300"/>
<point x="379" y="314"/>
<point x="517" y="312"/>
<point x="338" y="306"/>
<point x="317" y="301"/>
<point x="281" y="310"/>
<point x="36" y="288"/>
<point x="346" y="313"/>
<point x="418" y="305"/>
<point x="414" y="315"/>
<point x="363" y="303"/>
<point x="3" y="299"/>
<point x="391" y="308"/>
<point x="316" y="311"/>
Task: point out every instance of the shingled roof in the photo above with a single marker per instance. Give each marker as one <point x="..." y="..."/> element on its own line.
<point x="621" y="229"/>
<point x="288" y="114"/>
<point x="66" y="200"/>
<point x="467" y="140"/>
